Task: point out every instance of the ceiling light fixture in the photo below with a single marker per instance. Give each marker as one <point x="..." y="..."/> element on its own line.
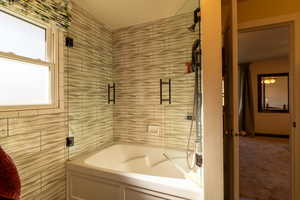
<point x="269" y="81"/>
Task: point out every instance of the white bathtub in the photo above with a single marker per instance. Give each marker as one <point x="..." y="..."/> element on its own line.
<point x="129" y="172"/>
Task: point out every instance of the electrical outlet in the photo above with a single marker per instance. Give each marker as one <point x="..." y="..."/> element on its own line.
<point x="153" y="130"/>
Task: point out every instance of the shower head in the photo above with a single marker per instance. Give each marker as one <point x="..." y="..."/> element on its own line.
<point x="196" y="20"/>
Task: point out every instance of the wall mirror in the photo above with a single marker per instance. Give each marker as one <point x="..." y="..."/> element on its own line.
<point x="273" y="93"/>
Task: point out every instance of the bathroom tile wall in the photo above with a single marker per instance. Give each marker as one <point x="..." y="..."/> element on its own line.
<point x="37" y="143"/>
<point x="88" y="70"/>
<point x="142" y="55"/>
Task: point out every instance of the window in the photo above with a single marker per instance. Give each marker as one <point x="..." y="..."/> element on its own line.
<point x="28" y="64"/>
<point x="22" y="38"/>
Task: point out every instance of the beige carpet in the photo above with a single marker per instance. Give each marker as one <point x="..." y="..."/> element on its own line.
<point x="264" y="168"/>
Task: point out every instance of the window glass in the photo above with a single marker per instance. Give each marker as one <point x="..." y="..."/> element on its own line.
<point x="21" y="37"/>
<point x="23" y="83"/>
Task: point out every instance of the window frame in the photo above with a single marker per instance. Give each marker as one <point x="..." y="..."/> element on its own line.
<point x="54" y="61"/>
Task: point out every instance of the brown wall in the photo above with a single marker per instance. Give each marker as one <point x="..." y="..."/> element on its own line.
<point x="270" y="123"/>
<point x="256" y="9"/>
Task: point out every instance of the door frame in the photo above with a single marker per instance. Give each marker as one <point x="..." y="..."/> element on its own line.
<point x="294" y="20"/>
<point x="235" y="87"/>
<point x="211" y="45"/>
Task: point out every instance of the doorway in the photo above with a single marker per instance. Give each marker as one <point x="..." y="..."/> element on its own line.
<point x="265" y="108"/>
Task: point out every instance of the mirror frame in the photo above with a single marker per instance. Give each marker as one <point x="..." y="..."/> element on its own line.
<point x="259" y="92"/>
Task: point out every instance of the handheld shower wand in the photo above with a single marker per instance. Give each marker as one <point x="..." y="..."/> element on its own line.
<point x="197" y="106"/>
<point x="195" y="56"/>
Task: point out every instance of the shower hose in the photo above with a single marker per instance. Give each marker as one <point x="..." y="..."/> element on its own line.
<point x="191" y="160"/>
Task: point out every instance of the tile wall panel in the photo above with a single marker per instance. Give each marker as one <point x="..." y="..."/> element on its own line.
<point x="142" y="55"/>
<point x="37" y="142"/>
<point x="135" y="58"/>
<point x="88" y="70"/>
<point x="37" y="145"/>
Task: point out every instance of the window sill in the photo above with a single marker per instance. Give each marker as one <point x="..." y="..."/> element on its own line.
<point x="28" y="113"/>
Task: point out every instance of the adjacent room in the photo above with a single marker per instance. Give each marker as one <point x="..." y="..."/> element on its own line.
<point x="264" y="112"/>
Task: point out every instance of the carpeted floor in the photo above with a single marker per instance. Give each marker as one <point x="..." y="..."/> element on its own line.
<point x="264" y="168"/>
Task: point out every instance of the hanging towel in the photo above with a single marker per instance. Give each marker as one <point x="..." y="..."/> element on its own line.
<point x="10" y="184"/>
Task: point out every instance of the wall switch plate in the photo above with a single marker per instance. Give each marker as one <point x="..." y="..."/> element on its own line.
<point x="153" y="130"/>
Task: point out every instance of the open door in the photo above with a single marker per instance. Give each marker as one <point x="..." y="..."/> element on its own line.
<point x="231" y="100"/>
